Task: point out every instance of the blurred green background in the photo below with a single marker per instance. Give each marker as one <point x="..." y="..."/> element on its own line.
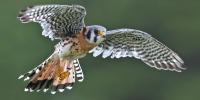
<point x="174" y="22"/>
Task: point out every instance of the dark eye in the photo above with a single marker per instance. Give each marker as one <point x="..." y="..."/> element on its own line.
<point x="96" y="32"/>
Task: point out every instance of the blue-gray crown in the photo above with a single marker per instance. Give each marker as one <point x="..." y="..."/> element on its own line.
<point x="95" y="34"/>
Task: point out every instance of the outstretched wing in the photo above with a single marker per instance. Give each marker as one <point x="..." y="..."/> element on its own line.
<point x="138" y="44"/>
<point x="57" y="21"/>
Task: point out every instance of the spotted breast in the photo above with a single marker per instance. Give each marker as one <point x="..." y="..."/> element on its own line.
<point x="75" y="47"/>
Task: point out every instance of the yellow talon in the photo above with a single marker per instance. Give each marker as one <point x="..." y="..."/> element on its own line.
<point x="63" y="75"/>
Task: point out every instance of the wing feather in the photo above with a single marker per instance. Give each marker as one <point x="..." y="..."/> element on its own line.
<point x="134" y="43"/>
<point x="57" y="21"/>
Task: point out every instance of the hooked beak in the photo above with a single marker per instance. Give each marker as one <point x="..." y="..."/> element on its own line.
<point x="102" y="34"/>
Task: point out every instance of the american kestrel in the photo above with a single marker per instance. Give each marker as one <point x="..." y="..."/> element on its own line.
<point x="66" y="23"/>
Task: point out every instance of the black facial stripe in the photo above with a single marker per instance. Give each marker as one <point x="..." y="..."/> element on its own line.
<point x="84" y="29"/>
<point x="95" y="39"/>
<point x="96" y="32"/>
<point x="88" y="34"/>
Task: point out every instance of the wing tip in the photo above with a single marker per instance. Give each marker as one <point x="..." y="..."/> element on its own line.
<point x="80" y="8"/>
<point x="171" y="66"/>
<point x="23" y="17"/>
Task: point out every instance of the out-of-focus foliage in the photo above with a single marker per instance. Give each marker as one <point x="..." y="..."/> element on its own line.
<point x="174" y="22"/>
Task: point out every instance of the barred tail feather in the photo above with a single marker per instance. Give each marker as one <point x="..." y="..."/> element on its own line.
<point x="31" y="73"/>
<point x="78" y="70"/>
<point x="53" y="74"/>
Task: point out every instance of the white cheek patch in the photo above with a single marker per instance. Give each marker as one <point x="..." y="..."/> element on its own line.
<point x="100" y="39"/>
<point x="92" y="36"/>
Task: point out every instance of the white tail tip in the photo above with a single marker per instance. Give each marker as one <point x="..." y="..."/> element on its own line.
<point x="45" y="90"/>
<point x="69" y="87"/>
<point x="80" y="80"/>
<point x="27" y="78"/>
<point x="53" y="92"/>
<point x="25" y="89"/>
<point x="21" y="76"/>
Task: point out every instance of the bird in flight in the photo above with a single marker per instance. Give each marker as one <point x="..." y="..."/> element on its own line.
<point x="66" y="23"/>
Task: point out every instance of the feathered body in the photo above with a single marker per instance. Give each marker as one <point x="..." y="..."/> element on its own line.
<point x="66" y="23"/>
<point x="58" y="71"/>
<point x="75" y="47"/>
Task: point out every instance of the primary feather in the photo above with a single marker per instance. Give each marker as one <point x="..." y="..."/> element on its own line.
<point x="57" y="21"/>
<point x="138" y="44"/>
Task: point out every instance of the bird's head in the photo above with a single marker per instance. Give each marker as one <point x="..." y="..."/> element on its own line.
<point x="95" y="34"/>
